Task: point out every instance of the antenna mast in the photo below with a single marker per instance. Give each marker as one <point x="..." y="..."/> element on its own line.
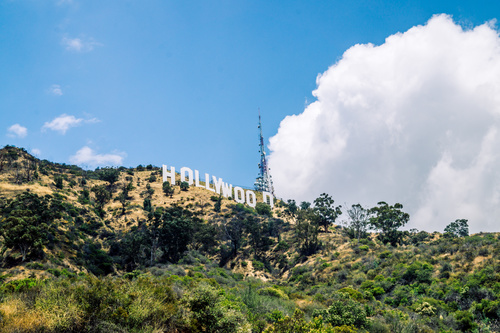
<point x="264" y="181"/>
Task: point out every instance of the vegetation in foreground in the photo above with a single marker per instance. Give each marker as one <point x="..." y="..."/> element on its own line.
<point x="117" y="250"/>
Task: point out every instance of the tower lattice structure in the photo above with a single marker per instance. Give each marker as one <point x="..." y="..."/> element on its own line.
<point x="264" y="182"/>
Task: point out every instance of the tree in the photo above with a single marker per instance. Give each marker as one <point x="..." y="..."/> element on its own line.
<point x="109" y="175"/>
<point x="26" y="223"/>
<point x="291" y="208"/>
<point x="147" y="204"/>
<point x="176" y="231"/>
<point x="305" y="205"/>
<point x="263" y="208"/>
<point x="184" y="186"/>
<point x="58" y="182"/>
<point x="218" y="204"/>
<point x="134" y="248"/>
<point x="84" y="197"/>
<point x="388" y="219"/>
<point x="102" y="196"/>
<point x="22" y="231"/>
<point x="168" y="189"/>
<point x="123" y="197"/>
<point x="459" y="228"/>
<point x="233" y="231"/>
<point x="326" y="211"/>
<point x="258" y="234"/>
<point x="306" y="231"/>
<point x="358" y="220"/>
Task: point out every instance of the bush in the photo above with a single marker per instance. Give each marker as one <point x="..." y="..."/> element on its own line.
<point x="364" y="248"/>
<point x="344" y="311"/>
<point x="210" y="311"/>
<point x="273" y="292"/>
<point x="58" y="182"/>
<point x="465" y="321"/>
<point x="184" y="186"/>
<point x="263" y="208"/>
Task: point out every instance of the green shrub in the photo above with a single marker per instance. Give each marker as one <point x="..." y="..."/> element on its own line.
<point x="385" y="254"/>
<point x="257" y="265"/>
<point x="282" y="246"/>
<point x="273" y="292"/>
<point x="364" y="248"/>
<point x="210" y="311"/>
<point x="263" y="208"/>
<point x="344" y="311"/>
<point x="184" y="186"/>
<point x="354" y="294"/>
<point x="35" y="265"/>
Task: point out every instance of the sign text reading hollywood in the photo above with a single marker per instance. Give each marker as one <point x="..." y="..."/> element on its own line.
<point x="216" y="185"/>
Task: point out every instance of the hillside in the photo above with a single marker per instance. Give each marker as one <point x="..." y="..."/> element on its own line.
<point x="108" y="251"/>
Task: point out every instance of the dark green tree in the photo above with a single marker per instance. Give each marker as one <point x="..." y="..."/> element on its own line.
<point x="122" y="198"/>
<point x="168" y="189"/>
<point x="27" y="221"/>
<point x="58" y="182"/>
<point x="326" y="211"/>
<point x="23" y="231"/>
<point x="291" y="208"/>
<point x="102" y="196"/>
<point x="218" y="204"/>
<point x="258" y="233"/>
<point x="110" y="175"/>
<point x="134" y="248"/>
<point x="184" y="186"/>
<point x="176" y="231"/>
<point x="147" y="204"/>
<point x="84" y="197"/>
<point x="388" y="219"/>
<point x="305" y="205"/>
<point x="306" y="231"/>
<point x="459" y="228"/>
<point x="263" y="208"/>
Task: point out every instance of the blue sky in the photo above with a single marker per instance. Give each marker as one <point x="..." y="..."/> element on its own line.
<point x="180" y="82"/>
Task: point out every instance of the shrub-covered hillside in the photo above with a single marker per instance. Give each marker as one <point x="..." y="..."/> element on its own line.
<point x="118" y="250"/>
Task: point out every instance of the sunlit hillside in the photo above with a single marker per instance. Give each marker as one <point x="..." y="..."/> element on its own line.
<point x="117" y="250"/>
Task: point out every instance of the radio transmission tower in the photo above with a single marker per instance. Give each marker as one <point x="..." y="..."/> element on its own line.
<point x="264" y="181"/>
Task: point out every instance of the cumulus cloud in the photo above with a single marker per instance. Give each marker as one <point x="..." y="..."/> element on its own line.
<point x="89" y="158"/>
<point x="17" y="131"/>
<point x="37" y="152"/>
<point x="64" y="122"/>
<point x="79" y="44"/>
<point x="415" y="120"/>
<point x="56" y="90"/>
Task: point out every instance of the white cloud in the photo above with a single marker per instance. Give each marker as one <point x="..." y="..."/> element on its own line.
<point x="56" y="90"/>
<point x="415" y="120"/>
<point x="88" y="158"/>
<point x="64" y="122"/>
<point x="17" y="131"/>
<point x="36" y="152"/>
<point x="79" y="44"/>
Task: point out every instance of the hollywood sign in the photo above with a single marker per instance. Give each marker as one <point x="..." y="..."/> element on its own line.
<point x="216" y="185"/>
